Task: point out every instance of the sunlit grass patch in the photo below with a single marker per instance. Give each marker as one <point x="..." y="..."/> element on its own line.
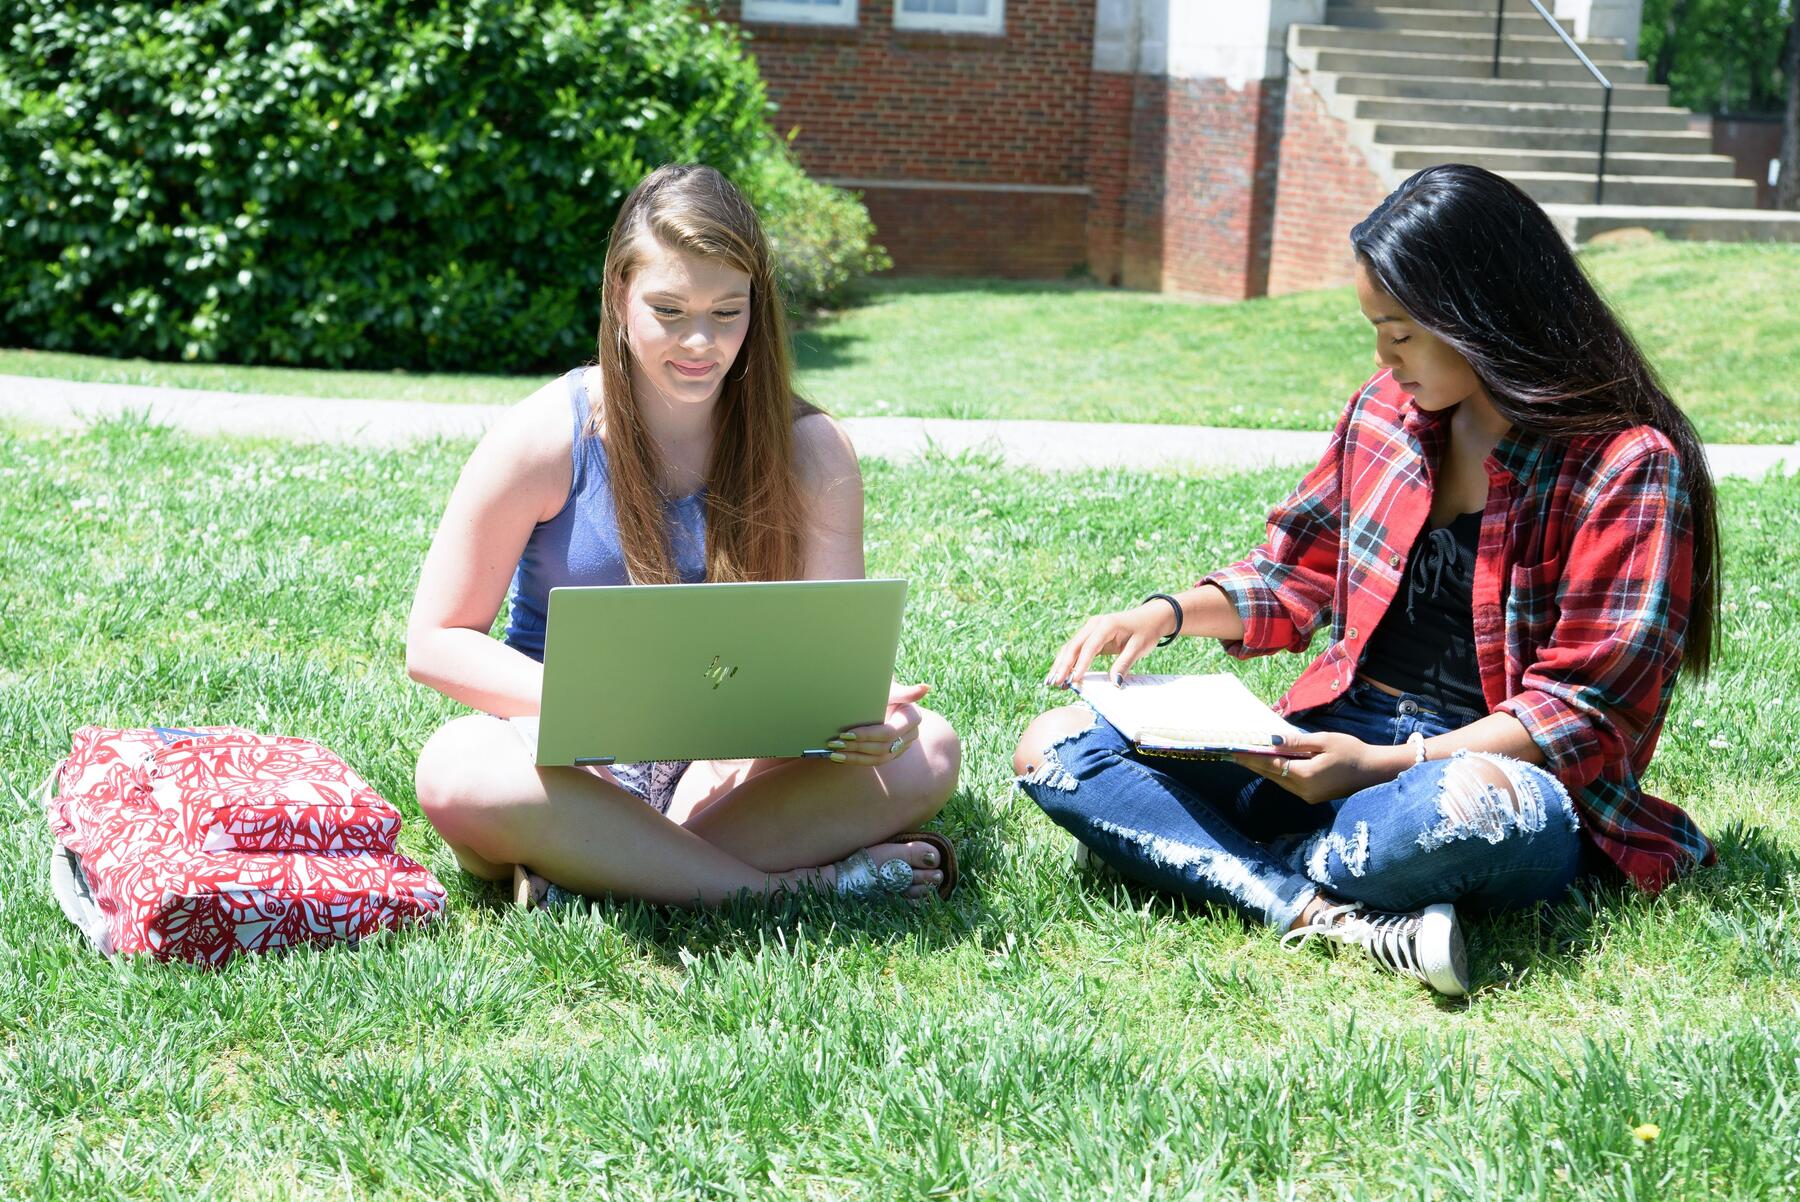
<point x="1044" y="1035"/>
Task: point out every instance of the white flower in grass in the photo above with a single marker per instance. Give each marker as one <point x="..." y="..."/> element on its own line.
<point x="1762" y="605"/>
<point x="1718" y="743"/>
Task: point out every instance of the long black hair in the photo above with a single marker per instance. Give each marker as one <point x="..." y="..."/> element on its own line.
<point x="1476" y="262"/>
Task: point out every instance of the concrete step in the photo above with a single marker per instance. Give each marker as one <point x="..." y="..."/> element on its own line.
<point x="1461" y="66"/>
<point x="1525" y="137"/>
<point x="1520" y="20"/>
<point x="1565" y="162"/>
<point x="1580" y="222"/>
<point x="1515" y="113"/>
<point x="1638" y="190"/>
<point x="1427" y="44"/>
<point x="1583" y="91"/>
<point x="1461" y="6"/>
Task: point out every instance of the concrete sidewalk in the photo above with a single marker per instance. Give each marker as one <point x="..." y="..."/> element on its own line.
<point x="1054" y="446"/>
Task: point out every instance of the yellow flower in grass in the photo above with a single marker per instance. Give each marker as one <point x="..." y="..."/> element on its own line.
<point x="1646" y="1133"/>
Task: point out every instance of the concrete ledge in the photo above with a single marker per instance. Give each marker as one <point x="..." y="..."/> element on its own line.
<point x="1578" y="223"/>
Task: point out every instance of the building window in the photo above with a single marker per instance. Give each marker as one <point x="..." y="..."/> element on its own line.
<point x="802" y="12"/>
<point x="951" y="16"/>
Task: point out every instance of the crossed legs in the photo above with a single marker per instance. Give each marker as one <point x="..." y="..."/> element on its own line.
<point x="756" y="826"/>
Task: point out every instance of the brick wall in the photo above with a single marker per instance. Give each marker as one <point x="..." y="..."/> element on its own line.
<point x="1109" y="117"/>
<point x="1177" y="185"/>
<point x="1019" y="235"/>
<point x="1219" y="195"/>
<point x="995" y="113"/>
<point x="1326" y="187"/>
<point x="870" y="100"/>
<point x="1141" y="209"/>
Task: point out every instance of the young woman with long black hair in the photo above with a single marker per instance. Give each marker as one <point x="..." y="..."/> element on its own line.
<point x="1512" y="537"/>
<point x="683" y="454"/>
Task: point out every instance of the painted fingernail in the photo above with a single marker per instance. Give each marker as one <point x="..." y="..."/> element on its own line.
<point x="835" y="744"/>
<point x="1276" y="740"/>
<point x="837" y="757"/>
<point x="896" y="745"/>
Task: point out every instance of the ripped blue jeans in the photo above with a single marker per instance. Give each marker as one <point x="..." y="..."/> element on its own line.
<point x="1216" y="832"/>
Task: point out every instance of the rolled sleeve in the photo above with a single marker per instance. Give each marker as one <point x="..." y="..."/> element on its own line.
<point x="1602" y="678"/>
<point x="1283" y="590"/>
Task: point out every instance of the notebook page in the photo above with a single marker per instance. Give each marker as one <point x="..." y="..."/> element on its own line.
<point x="1209" y="711"/>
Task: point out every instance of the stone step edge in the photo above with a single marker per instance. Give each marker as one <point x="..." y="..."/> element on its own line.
<point x="1629" y="156"/>
<point x="1588" y="45"/>
<point x="1694" y="137"/>
<point x="1326" y="83"/>
<point x="1484" y="59"/>
<point x="1480" y="82"/>
<point x="1524" y="106"/>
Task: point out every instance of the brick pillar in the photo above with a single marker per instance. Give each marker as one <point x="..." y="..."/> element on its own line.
<point x="1327" y="186"/>
<point x="1200" y="174"/>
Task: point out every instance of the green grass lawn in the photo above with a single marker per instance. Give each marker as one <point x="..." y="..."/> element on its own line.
<point x="1044" y="1035"/>
<point x="1720" y="321"/>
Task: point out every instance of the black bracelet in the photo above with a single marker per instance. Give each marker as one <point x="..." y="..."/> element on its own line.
<point x="1174" y="605"/>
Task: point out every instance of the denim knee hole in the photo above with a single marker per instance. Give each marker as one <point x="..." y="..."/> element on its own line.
<point x="1050" y="772"/>
<point x="1472" y="806"/>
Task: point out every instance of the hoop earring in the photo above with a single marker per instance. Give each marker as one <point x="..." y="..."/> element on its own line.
<point x="741" y="372"/>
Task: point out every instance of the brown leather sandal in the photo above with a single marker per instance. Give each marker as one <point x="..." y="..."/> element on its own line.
<point x="946" y="857"/>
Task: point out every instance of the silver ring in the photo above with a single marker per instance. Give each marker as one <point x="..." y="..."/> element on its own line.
<point x="1284" y="768"/>
<point x="896" y="745"/>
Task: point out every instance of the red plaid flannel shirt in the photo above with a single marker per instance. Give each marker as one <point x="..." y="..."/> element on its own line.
<point x="1582" y="584"/>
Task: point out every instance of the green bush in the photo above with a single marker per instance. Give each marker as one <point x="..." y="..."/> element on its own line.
<point x="821" y="236"/>
<point x="384" y="183"/>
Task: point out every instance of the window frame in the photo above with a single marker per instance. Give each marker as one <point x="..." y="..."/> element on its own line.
<point x="800" y="12"/>
<point x="992" y="25"/>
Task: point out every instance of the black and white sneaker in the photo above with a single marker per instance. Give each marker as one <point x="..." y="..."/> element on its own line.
<point x="1426" y="945"/>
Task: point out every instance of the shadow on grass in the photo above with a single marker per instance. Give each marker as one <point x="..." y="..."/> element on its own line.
<point x="1739" y="901"/>
<point x="821" y="347"/>
<point x="667" y="934"/>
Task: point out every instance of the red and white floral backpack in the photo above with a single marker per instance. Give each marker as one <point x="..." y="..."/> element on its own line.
<point x="200" y="844"/>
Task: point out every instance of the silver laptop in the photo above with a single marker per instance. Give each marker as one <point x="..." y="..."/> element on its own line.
<point x="714" y="671"/>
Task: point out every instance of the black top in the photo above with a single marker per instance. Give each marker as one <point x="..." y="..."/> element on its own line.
<point x="1425" y="643"/>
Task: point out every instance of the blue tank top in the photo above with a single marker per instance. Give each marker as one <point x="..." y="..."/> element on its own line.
<point x="580" y="545"/>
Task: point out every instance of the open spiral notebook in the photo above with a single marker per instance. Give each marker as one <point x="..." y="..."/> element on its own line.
<point x="1195" y="717"/>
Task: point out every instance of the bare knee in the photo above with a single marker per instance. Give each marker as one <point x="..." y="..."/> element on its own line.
<point x="1473" y="787"/>
<point x="933" y="769"/>
<point x="1047" y="730"/>
<point x="463" y="786"/>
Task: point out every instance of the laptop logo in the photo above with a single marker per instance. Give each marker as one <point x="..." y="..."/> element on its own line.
<point x="719" y="673"/>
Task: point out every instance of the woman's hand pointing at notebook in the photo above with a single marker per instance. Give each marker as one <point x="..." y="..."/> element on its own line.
<point x="872" y="746"/>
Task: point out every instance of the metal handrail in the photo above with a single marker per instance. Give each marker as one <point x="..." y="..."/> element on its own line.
<point x="1606" y="104"/>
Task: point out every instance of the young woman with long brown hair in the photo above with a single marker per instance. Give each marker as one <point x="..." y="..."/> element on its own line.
<point x="1511" y="544"/>
<point x="682" y="455"/>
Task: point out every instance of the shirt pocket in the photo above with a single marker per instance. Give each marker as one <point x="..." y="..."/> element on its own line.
<point x="1531" y="607"/>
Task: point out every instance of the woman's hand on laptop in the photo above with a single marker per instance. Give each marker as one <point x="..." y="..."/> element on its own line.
<point x="872" y="746"/>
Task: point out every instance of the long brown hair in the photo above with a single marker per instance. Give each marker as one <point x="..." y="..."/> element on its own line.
<point x="755" y="509"/>
<point x="1474" y="260"/>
